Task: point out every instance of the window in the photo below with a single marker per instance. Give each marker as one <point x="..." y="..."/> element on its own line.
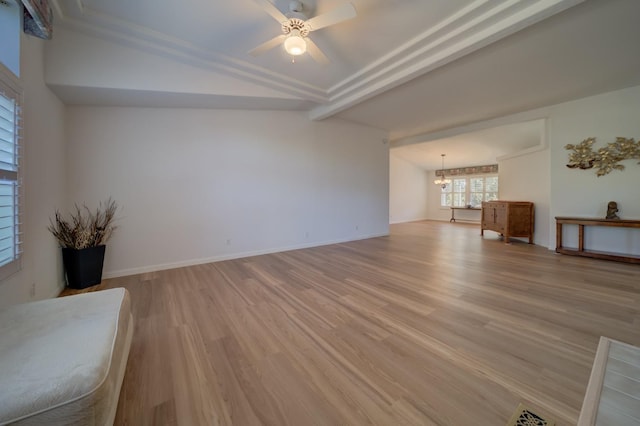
<point x="10" y="236"/>
<point x="10" y="29"/>
<point x="469" y="190"/>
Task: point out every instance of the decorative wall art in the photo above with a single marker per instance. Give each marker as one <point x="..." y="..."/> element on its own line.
<point x="605" y="159"/>
<point x="38" y="18"/>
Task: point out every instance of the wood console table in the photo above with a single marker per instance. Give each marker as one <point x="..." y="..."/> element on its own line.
<point x="581" y="251"/>
<point x="453" y="210"/>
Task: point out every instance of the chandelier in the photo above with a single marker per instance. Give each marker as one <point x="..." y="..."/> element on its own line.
<point x="442" y="180"/>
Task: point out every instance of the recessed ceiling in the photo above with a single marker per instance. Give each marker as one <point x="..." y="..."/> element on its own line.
<point x="409" y="67"/>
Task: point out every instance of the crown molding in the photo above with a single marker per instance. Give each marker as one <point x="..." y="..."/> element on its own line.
<point x="73" y="15"/>
<point x="473" y="27"/>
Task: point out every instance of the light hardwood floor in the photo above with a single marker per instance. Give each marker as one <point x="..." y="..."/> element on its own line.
<point x="431" y="325"/>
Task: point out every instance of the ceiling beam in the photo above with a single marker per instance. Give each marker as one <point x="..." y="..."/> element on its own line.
<point x="475" y="26"/>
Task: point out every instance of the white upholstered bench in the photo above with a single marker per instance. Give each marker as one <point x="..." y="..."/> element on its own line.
<point x="62" y="361"/>
<point x="613" y="393"/>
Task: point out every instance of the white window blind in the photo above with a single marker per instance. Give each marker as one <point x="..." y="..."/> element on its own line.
<point x="10" y="188"/>
<point x="469" y="190"/>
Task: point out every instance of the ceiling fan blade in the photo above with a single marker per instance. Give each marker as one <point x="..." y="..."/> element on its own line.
<point x="272" y="10"/>
<point x="339" y="14"/>
<point x="316" y="53"/>
<point x="267" y="45"/>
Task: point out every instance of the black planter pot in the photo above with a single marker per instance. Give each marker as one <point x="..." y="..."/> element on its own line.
<point x="83" y="267"/>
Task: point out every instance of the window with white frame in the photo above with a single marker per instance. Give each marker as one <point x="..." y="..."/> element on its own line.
<point x="469" y="190"/>
<point x="10" y="30"/>
<point x="10" y="235"/>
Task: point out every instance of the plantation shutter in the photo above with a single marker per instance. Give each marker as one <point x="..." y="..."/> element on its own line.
<point x="10" y="232"/>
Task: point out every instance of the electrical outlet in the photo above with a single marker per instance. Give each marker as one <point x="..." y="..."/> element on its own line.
<point x="357" y="227"/>
<point x="228" y="241"/>
<point x="306" y="235"/>
<point x="32" y="290"/>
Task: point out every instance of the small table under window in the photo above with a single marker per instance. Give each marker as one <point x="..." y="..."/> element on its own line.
<point x="453" y="212"/>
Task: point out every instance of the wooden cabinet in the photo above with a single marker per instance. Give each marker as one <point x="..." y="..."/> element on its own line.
<point x="509" y="218"/>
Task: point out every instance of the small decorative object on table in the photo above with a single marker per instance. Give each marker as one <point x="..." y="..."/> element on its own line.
<point x="612" y="209"/>
<point x="83" y="241"/>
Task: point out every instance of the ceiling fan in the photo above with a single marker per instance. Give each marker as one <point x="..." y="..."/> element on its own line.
<point x="296" y="28"/>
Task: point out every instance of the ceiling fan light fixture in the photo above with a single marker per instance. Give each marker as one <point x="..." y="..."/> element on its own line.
<point x="295" y="44"/>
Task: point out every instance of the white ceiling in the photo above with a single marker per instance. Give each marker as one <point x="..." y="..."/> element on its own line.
<point x="411" y="67"/>
<point x="589" y="49"/>
<point x="477" y="148"/>
<point x="229" y="29"/>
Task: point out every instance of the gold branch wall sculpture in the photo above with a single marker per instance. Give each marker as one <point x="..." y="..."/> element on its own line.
<point x="605" y="159"/>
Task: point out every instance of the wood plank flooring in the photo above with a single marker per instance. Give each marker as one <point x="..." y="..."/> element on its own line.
<point x="432" y="325"/>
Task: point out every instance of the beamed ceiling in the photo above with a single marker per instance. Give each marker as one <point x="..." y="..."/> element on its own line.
<point x="410" y="67"/>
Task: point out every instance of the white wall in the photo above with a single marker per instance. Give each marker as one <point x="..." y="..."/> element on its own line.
<point x="526" y="178"/>
<point x="577" y="192"/>
<point x="408" y="188"/>
<point x="44" y="182"/>
<point x="572" y="192"/>
<point x="202" y="185"/>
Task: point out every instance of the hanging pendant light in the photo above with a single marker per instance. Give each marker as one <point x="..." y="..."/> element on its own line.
<point x="442" y="180"/>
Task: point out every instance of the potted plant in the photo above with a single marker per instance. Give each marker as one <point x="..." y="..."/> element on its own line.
<point x="83" y="239"/>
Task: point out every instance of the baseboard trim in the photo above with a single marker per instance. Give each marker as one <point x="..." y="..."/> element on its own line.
<point x="56" y="292"/>
<point x="407" y="220"/>
<point x="230" y="256"/>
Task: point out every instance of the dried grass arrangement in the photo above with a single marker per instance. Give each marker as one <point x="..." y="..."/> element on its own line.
<point x="87" y="228"/>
